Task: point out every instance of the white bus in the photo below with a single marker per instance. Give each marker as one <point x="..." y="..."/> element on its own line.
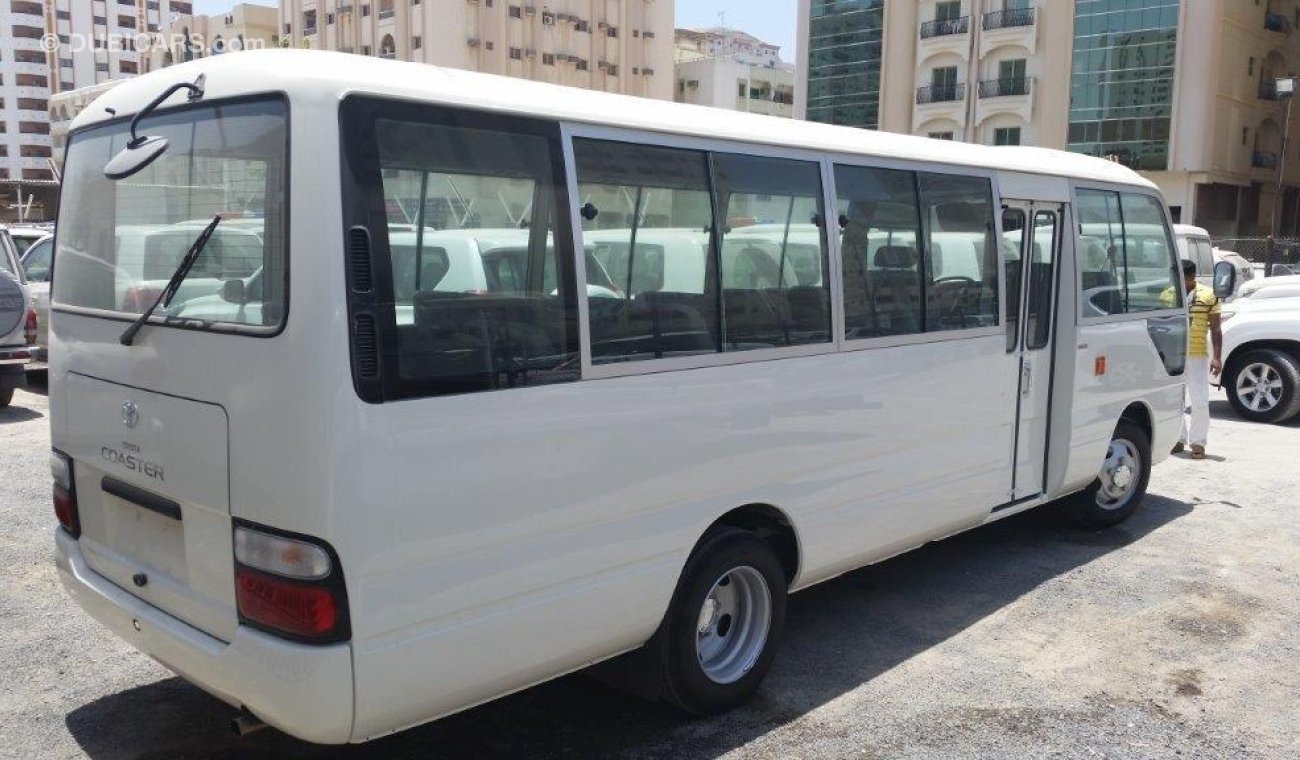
<point x="350" y="493"/>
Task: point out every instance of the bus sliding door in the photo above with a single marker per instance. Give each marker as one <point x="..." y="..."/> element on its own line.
<point x="1031" y="249"/>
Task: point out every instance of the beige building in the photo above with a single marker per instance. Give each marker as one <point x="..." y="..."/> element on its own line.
<point x="727" y="68"/>
<point x="623" y="46"/>
<point x="1181" y="90"/>
<point x="245" y="27"/>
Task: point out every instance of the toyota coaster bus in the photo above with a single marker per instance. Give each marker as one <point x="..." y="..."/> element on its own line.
<point x="380" y="390"/>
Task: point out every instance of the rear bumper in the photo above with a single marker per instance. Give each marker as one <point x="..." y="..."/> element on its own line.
<point x="13" y="367"/>
<point x="305" y="691"/>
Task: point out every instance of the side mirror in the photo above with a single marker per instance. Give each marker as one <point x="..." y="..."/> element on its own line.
<point x="234" y="291"/>
<point x="1225" y="279"/>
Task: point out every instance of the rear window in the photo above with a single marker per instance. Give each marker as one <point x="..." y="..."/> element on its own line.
<point x="120" y="242"/>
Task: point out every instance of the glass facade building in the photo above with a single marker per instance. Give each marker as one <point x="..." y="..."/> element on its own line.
<point x="1122" y="80"/>
<point x="844" y="60"/>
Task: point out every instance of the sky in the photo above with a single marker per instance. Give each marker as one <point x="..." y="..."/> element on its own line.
<point x="769" y="20"/>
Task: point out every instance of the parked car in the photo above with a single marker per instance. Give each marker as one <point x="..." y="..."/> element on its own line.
<point x="1194" y="245"/>
<point x="36" y="265"/>
<point x="17" y="321"/>
<point x="25" y="236"/>
<point x="1261" y="349"/>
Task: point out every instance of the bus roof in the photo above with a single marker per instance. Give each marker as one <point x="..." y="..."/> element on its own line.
<point x="320" y="73"/>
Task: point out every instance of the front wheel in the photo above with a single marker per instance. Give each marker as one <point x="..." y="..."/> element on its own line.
<point x="1264" y="386"/>
<point x="1118" y="490"/>
<point x="6" y="396"/>
<point x="719" y="637"/>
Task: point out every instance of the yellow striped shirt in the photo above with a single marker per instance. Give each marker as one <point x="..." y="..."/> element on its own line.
<point x="1201" y="303"/>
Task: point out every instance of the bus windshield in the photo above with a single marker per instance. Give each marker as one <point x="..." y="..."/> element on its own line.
<point x="119" y="242"/>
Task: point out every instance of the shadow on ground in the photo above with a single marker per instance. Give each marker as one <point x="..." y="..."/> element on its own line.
<point x="1221" y="409"/>
<point x="840" y="635"/>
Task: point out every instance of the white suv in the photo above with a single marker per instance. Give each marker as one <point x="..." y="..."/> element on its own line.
<point x="1261" y="347"/>
<point x="17" y="321"/>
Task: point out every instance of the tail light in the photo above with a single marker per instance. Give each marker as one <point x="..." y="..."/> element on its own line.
<point x="289" y="585"/>
<point x="65" y="493"/>
<point x="29" y="327"/>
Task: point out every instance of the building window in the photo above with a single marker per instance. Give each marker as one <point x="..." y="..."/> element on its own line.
<point x="611" y="70"/>
<point x="1006" y="136"/>
<point x="516" y="54"/>
<point x="100" y="20"/>
<point x="582" y="64"/>
<point x="1245" y="134"/>
<point x="127" y="22"/>
<point x="950" y="10"/>
<point x="940" y="135"/>
<point x="416" y="42"/>
<point x="31" y="80"/>
<point x="548" y="59"/>
<point x="28" y="32"/>
<point x="611" y="31"/>
<point x="365" y="10"/>
<point x="32" y="104"/>
<point x="34" y="151"/>
<point x="33" y="128"/>
<point x="37" y="174"/>
<point x="1250" y="67"/>
<point x="63" y="15"/>
<point x="582" y="26"/>
<point x="128" y="67"/>
<point x="515" y="12"/>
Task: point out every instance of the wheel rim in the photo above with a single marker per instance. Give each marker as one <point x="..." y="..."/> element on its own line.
<point x="733" y="623"/>
<point x="1259" y="387"/>
<point x="1119" y="474"/>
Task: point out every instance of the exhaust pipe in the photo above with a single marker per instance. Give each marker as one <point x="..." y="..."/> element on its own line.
<point x="246" y="723"/>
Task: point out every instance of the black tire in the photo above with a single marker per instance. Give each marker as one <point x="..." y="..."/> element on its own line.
<point x="6" y="396"/>
<point x="683" y="681"/>
<point x="1250" y="365"/>
<point x="1087" y="508"/>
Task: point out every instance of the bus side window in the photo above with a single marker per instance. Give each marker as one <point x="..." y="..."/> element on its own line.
<point x="1013" y="242"/>
<point x="961" y="283"/>
<point x="648" y="216"/>
<point x="879" y="226"/>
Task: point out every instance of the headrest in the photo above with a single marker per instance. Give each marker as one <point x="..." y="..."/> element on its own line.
<point x="896" y="257"/>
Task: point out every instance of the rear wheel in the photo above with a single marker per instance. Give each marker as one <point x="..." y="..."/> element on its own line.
<point x="6" y="396"/>
<point x="1118" y="490"/>
<point x="1264" y="386"/>
<point x="719" y="637"/>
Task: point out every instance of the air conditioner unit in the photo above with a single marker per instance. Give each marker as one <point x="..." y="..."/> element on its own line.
<point x="548" y="19"/>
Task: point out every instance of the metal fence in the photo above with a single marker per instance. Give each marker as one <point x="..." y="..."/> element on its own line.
<point x="1286" y="254"/>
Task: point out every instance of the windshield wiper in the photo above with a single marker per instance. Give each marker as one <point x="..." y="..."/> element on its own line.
<point x="174" y="284"/>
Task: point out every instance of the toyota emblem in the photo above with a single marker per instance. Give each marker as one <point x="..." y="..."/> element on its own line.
<point x="130" y="414"/>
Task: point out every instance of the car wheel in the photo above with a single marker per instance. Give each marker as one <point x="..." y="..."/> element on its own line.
<point x="1122" y="482"/>
<point x="6" y="396"/>
<point x="718" y="639"/>
<point x="1264" y="386"/>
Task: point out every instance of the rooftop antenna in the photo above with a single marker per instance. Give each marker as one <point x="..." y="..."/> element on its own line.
<point x="722" y="17"/>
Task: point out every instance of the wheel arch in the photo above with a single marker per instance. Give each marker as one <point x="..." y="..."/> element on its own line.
<point x="1231" y="362"/>
<point x="1140" y="414"/>
<point x="771" y="525"/>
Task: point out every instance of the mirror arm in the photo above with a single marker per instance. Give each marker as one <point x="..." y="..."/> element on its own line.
<point x="195" y="92"/>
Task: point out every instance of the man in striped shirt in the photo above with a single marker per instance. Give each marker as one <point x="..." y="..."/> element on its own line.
<point x="1203" y="316"/>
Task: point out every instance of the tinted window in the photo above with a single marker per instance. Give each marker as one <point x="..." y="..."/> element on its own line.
<point x="119" y="242"/>
<point x="37" y="261"/>
<point x="1013" y="242"/>
<point x="647" y="218"/>
<point x="1042" y="269"/>
<point x="879" y="226"/>
<point x="1125" y="253"/>
<point x="774" y="291"/>
<point x="961" y="284"/>
<point x="470" y="242"/>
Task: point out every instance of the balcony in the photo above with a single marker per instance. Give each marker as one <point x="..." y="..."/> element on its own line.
<point x="945" y="27"/>
<point x="1261" y="159"/>
<point x="1009" y="18"/>
<point x="1276" y="22"/>
<point x="944" y="93"/>
<point x="1002" y="88"/>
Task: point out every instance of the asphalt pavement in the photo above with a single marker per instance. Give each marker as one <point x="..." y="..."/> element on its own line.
<point x="1175" y="635"/>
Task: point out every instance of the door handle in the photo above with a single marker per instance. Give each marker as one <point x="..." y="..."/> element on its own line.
<point x="1026" y="378"/>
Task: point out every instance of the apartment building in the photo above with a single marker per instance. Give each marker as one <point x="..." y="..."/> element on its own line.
<point x="24" y="95"/>
<point x="623" y="46"/>
<point x="1181" y="90"/>
<point x="727" y="68"/>
<point x="245" y="27"/>
<point x="972" y="70"/>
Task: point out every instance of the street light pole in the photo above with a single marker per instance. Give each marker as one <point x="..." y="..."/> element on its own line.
<point x="1284" y="88"/>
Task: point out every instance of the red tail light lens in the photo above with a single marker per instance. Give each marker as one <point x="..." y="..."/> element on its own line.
<point x="65" y="493"/>
<point x="29" y="327"/>
<point x="298" y="609"/>
<point x="289" y="585"/>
